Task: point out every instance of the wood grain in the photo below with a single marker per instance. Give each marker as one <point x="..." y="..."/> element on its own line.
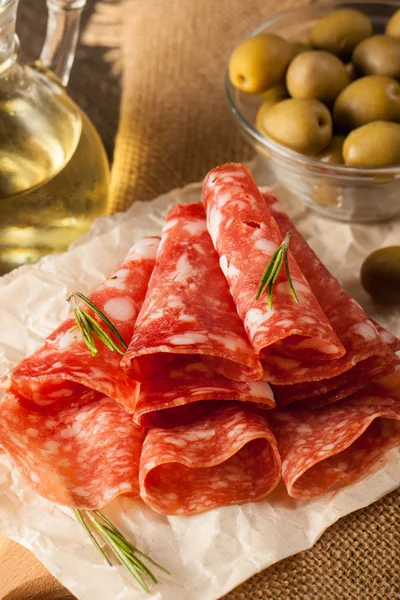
<point x="23" y="577"/>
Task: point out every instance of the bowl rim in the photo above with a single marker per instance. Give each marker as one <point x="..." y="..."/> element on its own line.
<point x="293" y="156"/>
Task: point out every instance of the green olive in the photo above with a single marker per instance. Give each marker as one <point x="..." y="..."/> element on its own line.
<point x="259" y="63"/>
<point x="380" y="274"/>
<point x="299" y="47"/>
<point x="393" y="25"/>
<point x="316" y="74"/>
<point x="333" y="153"/>
<point x="376" y="144"/>
<point x="371" y="98"/>
<point x="341" y="31"/>
<point x="271" y="97"/>
<point x="351" y="72"/>
<point x="304" y="125"/>
<point x="378" y="55"/>
<point x="275" y="94"/>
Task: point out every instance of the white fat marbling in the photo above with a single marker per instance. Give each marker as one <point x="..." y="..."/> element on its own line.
<point x="170" y="224"/>
<point x="121" y="309"/>
<point x="63" y="393"/>
<point x="317" y="344"/>
<point x="286" y="363"/>
<point x="266" y="246"/>
<point x="256" y="317"/>
<point x="187" y="339"/>
<point x="262" y="389"/>
<point x="187" y="318"/>
<point x="118" y="280"/>
<point x="183" y="269"/>
<point x="199" y="248"/>
<point x="195" y="227"/>
<point x="214" y="223"/>
<point x="365" y="330"/>
<point x="67" y="339"/>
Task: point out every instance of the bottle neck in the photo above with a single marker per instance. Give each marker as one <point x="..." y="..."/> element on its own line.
<point x="8" y="40"/>
<point x="61" y="37"/>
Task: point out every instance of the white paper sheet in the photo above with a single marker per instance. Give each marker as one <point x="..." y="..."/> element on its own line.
<point x="207" y="554"/>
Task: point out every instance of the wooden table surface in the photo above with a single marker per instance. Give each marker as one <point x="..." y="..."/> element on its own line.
<point x="23" y="577"/>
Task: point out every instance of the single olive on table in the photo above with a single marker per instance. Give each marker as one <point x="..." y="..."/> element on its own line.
<point x="380" y="275"/>
<point x="311" y="96"/>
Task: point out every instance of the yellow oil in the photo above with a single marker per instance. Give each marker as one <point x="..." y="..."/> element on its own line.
<point x="54" y="174"/>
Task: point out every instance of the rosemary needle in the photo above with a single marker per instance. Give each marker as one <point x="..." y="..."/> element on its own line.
<point x="272" y="270"/>
<point x="90" y="327"/>
<point x="126" y="554"/>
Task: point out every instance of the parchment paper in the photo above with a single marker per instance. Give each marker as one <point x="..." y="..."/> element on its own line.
<point x="207" y="554"/>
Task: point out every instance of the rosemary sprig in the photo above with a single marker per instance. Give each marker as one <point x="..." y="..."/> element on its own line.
<point x="127" y="554"/>
<point x="272" y="270"/>
<point x="89" y="327"/>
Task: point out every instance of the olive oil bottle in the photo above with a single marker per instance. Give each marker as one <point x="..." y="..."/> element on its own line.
<point x="54" y="172"/>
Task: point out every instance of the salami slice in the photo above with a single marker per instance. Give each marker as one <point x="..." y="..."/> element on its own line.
<point x="81" y="455"/>
<point x="188" y="309"/>
<point x="192" y="381"/>
<point x="63" y="369"/>
<point x="340" y="443"/>
<point x="208" y="455"/>
<point x="245" y="236"/>
<point x="368" y="345"/>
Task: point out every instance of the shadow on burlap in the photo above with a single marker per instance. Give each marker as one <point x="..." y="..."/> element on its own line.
<point x="175" y="126"/>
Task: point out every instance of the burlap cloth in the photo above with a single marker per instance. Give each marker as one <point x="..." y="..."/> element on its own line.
<point x="174" y="126"/>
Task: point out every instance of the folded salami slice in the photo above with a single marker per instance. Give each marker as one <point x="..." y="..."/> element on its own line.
<point x="81" y="455"/>
<point x="188" y="309"/>
<point x="245" y="236"/>
<point x="191" y="381"/>
<point x="63" y="368"/>
<point x="368" y="345"/>
<point x="208" y="455"/>
<point x="340" y="443"/>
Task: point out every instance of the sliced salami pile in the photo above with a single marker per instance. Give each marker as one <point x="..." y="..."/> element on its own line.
<point x="221" y="391"/>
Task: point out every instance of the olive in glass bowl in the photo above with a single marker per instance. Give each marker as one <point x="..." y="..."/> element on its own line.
<point x="339" y="191"/>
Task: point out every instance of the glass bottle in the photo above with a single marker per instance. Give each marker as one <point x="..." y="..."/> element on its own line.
<point x="54" y="172"/>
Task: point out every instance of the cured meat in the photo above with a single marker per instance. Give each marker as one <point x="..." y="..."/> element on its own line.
<point x="188" y="309"/>
<point x="208" y="455"/>
<point x="368" y="345"/>
<point x="340" y="443"/>
<point x="81" y="455"/>
<point x="190" y="381"/>
<point x="245" y="236"/>
<point x="327" y="391"/>
<point x="63" y="369"/>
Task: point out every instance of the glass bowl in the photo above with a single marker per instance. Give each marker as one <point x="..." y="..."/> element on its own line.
<point x="351" y="194"/>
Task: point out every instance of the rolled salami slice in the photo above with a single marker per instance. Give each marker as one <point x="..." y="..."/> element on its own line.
<point x="245" y="236"/>
<point x="368" y="345"/>
<point x="63" y="369"/>
<point x="192" y="381"/>
<point x="208" y="455"/>
<point x="340" y="443"/>
<point x="188" y="309"/>
<point x="81" y="455"/>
